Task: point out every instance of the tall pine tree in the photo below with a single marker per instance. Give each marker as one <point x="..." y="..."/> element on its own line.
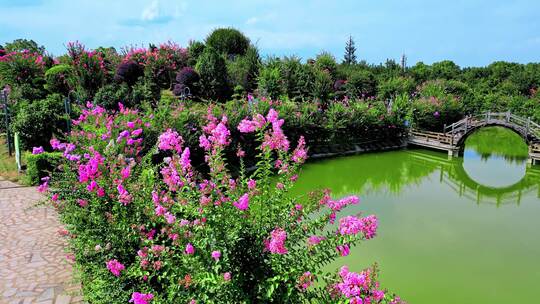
<point x="350" y="56"/>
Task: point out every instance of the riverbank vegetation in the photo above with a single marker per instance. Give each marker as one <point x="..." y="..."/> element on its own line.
<point x="226" y="69"/>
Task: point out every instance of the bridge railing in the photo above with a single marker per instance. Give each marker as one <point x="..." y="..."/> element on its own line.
<point x="433" y="136"/>
<point x="534" y="149"/>
<point x="528" y="126"/>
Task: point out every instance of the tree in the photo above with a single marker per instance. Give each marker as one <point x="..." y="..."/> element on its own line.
<point x="403" y="62"/>
<point x="18" y="45"/>
<point x="350" y="49"/>
<point x="212" y="69"/>
<point x="228" y="41"/>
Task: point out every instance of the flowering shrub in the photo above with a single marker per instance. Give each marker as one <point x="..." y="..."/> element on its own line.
<point x="146" y="227"/>
<point x="89" y="68"/>
<point x="129" y="72"/>
<point x="24" y="71"/>
<point x="436" y="107"/>
<point x="59" y="79"/>
<point x="161" y="63"/>
<point x="186" y="78"/>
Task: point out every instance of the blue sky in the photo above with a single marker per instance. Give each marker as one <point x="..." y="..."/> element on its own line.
<point x="469" y="32"/>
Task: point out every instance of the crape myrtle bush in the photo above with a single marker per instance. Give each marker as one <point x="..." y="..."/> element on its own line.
<point x="339" y="128"/>
<point x="60" y="79"/>
<point x="89" y="68"/>
<point x="24" y="72"/>
<point x="145" y="226"/>
<point x="435" y="106"/>
<point x="160" y="63"/>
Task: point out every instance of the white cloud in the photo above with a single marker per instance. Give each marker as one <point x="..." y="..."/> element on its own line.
<point x="252" y="20"/>
<point x="151" y="12"/>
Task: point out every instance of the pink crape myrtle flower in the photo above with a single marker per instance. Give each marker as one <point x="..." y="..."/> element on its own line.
<point x="227" y="276"/>
<point x="115" y="267"/>
<point x="314" y="240"/>
<point x="276" y="242"/>
<point x="170" y="140"/>
<point x="300" y="153"/>
<point x="141" y="298"/>
<point x="189" y="249"/>
<point x="242" y="203"/>
<point x="354" y="285"/>
<point x="350" y="225"/>
<point x="247" y="126"/>
<point x="216" y="254"/>
<point x="369" y="226"/>
<point x="45" y="185"/>
<point x="251" y="184"/>
<point x="342" y="203"/>
<point x="343" y="250"/>
<point x="185" y="161"/>
<point x="37" y="150"/>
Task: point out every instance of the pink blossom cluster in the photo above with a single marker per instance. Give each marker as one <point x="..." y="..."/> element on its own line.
<point x="342" y="203"/>
<point x="343" y="250"/>
<point x="43" y="187"/>
<point x="37" y="150"/>
<point x="115" y="267"/>
<point x="276" y="242"/>
<point x="170" y="140"/>
<point x="274" y="139"/>
<point x="359" y="288"/>
<point x="216" y="133"/>
<point x="160" y="210"/>
<point x="242" y="203"/>
<point x="315" y="240"/>
<point x="351" y="225"/>
<point x="300" y="153"/>
<point x="141" y="298"/>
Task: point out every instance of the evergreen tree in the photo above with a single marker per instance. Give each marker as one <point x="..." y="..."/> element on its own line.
<point x="350" y="56"/>
<point x="403" y="62"/>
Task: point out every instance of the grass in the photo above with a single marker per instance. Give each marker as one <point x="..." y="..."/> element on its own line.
<point x="8" y="166"/>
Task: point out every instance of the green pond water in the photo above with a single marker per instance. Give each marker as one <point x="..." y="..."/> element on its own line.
<point x="461" y="230"/>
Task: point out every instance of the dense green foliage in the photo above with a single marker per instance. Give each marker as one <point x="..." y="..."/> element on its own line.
<point x="38" y="121"/>
<point x="228" y="41"/>
<point x="212" y="69"/>
<point x="41" y="165"/>
<point x="226" y="67"/>
<point x="59" y="79"/>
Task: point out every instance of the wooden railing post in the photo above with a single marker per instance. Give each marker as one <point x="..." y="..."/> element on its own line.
<point x="528" y="124"/>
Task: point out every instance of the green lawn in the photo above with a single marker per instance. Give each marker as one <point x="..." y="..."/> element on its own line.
<point x="8" y="167"/>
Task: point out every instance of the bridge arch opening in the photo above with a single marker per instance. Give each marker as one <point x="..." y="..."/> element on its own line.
<point x="495" y="157"/>
<point x="482" y="128"/>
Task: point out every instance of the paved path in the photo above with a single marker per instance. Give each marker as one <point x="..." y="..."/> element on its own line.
<point x="33" y="264"/>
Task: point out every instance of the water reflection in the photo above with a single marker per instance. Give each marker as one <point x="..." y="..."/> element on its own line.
<point x="497" y="176"/>
<point x="445" y="224"/>
<point x="495" y="157"/>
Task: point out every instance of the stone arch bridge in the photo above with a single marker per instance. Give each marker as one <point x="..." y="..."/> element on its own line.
<point x="454" y="136"/>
